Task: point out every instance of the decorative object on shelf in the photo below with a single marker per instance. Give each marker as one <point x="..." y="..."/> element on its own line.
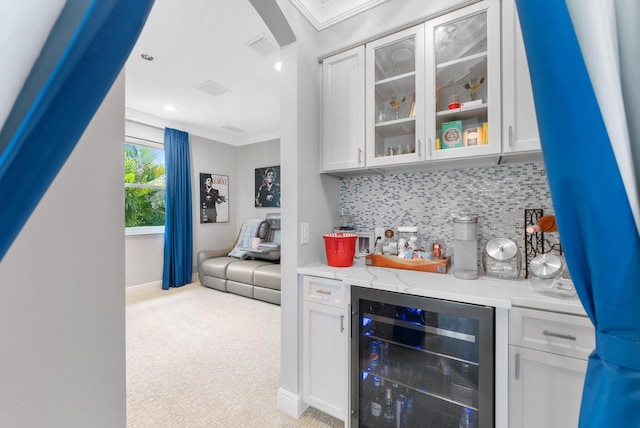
<point x="535" y="243"/>
<point x="396" y="105"/>
<point x="454" y="102"/>
<point x="472" y="86"/>
<point x="412" y="109"/>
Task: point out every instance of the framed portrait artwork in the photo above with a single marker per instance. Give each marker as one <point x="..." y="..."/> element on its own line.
<point x="268" y="187"/>
<point x="214" y="202"/>
<point x="364" y="244"/>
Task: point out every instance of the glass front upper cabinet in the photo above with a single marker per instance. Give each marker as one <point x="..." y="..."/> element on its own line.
<point x="463" y="115"/>
<point x="395" y="100"/>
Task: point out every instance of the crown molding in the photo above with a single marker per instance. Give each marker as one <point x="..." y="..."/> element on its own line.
<point x="325" y="13"/>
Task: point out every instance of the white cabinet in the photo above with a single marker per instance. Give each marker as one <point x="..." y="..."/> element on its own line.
<point x="548" y="355"/>
<point x="519" y="122"/>
<point x="343" y="111"/>
<point x="463" y="83"/>
<point x="395" y="99"/>
<point x="325" y="345"/>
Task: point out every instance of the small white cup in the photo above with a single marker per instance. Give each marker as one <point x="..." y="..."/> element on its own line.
<point x="255" y="243"/>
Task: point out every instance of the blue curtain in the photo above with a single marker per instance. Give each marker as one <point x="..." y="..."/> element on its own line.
<point x="83" y="55"/>
<point x="178" y="237"/>
<point x="591" y="171"/>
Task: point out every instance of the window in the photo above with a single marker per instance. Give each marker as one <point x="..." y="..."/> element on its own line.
<point x="144" y="187"/>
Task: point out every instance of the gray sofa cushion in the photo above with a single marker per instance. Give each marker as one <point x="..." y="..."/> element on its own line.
<point x="267" y="276"/>
<point x="240" y="288"/>
<point x="266" y="295"/>
<point x="215" y="283"/>
<point x="243" y="271"/>
<point x="217" y="266"/>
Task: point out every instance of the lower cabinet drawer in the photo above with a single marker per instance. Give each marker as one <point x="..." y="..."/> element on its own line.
<point x="325" y="291"/>
<point x="562" y="334"/>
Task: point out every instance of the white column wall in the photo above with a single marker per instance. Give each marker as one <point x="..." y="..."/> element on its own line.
<point x="62" y="321"/>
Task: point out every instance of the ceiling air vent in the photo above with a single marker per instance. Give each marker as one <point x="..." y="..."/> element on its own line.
<point x="233" y="129"/>
<point x="211" y="88"/>
<point x="262" y="45"/>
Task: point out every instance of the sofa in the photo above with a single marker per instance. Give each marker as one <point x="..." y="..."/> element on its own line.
<point x="235" y="270"/>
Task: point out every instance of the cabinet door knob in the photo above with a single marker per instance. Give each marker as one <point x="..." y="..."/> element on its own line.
<point x="558" y="335"/>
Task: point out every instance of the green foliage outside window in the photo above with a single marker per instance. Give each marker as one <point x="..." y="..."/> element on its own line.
<point x="144" y="177"/>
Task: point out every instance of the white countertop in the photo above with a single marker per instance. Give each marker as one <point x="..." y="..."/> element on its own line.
<point x="482" y="291"/>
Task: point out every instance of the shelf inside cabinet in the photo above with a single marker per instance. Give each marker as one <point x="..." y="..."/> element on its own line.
<point x="464" y="113"/>
<point x="395" y="128"/>
<point x="400" y="86"/>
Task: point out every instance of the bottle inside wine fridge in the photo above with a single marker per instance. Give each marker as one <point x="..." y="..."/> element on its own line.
<point x="420" y="362"/>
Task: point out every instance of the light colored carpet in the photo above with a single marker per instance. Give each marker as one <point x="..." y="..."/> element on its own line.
<point x="198" y="357"/>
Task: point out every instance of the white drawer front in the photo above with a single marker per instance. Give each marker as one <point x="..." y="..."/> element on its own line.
<point x="323" y="290"/>
<point x="562" y="334"/>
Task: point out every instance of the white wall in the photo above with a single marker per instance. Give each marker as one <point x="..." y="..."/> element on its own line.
<point x="212" y="157"/>
<point x="250" y="157"/>
<point x="62" y="321"/>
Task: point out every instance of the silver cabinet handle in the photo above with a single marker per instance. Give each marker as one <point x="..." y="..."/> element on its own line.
<point x="341" y="323"/>
<point x="320" y="291"/>
<point x="511" y="136"/>
<point x="359" y="155"/>
<point x="419" y="148"/>
<point x="517" y="366"/>
<point x="429" y="147"/>
<point x="558" y="335"/>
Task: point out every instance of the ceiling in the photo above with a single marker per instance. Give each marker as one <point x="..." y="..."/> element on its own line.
<point x="205" y="42"/>
<point x="196" y="43"/>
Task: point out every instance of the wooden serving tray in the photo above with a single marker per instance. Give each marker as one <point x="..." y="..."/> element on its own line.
<point x="440" y="265"/>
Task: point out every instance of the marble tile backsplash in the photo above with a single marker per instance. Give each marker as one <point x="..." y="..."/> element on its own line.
<point x="498" y="195"/>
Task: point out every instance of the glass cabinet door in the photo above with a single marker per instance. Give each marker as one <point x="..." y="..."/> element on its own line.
<point x="421" y="362"/>
<point x="395" y="88"/>
<point x="464" y="83"/>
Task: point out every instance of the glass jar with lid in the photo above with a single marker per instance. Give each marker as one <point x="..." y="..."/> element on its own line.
<point x="408" y="237"/>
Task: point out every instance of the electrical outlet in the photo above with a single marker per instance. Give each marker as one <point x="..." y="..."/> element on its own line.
<point x="379" y="231"/>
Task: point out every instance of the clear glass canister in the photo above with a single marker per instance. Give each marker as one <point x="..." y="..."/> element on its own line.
<point x="408" y="237"/>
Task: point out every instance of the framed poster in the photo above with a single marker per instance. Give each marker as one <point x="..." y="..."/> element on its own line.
<point x="214" y="203"/>
<point x="268" y="186"/>
<point x="364" y="245"/>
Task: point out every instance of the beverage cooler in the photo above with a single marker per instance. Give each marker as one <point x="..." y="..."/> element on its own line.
<point x="420" y="362"/>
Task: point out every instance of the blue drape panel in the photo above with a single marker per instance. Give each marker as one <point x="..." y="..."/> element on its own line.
<point x="178" y="236"/>
<point x="594" y="216"/>
<point x="81" y="59"/>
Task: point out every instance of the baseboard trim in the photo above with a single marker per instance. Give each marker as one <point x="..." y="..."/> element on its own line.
<point x="290" y="403"/>
<point x="149" y="287"/>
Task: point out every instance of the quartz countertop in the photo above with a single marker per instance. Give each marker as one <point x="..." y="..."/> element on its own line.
<point x="482" y="291"/>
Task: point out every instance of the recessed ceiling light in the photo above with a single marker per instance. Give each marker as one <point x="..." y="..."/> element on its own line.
<point x="169" y="107"/>
<point x="278" y="65"/>
<point x="147" y="57"/>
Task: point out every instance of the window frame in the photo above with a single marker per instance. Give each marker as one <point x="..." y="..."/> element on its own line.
<point x="143" y="230"/>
